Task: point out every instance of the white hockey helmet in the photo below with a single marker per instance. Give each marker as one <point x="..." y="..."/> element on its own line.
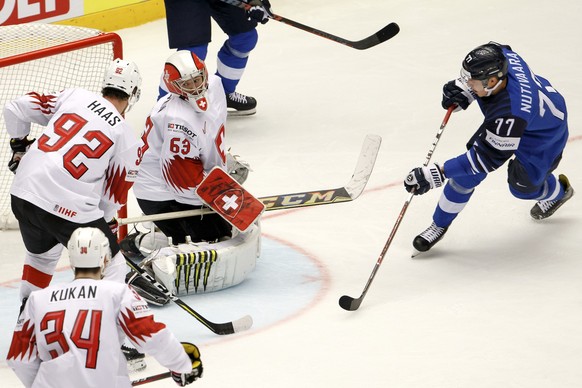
<point x="88" y="248"/>
<point x="185" y="75"/>
<point x="124" y="75"/>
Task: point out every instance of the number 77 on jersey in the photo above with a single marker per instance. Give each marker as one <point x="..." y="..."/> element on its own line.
<point x="228" y="198"/>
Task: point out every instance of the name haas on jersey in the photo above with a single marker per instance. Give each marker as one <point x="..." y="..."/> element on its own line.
<point x="109" y="116"/>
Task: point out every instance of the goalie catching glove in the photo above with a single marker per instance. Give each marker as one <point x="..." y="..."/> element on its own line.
<point x="238" y="169"/>
<point x="422" y="179"/>
<point x="19" y="148"/>
<point x="183" y="379"/>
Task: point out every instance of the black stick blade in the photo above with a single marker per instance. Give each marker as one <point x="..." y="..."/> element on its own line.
<point x="350" y="304"/>
<point x="388" y="32"/>
<point x="383" y="35"/>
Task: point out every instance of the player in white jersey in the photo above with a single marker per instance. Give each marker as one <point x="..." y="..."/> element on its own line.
<point x="70" y="335"/>
<point x="77" y="173"/>
<point x="184" y="139"/>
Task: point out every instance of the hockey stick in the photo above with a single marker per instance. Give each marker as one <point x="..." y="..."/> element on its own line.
<point x="381" y="36"/>
<point x="351" y="304"/>
<point x="151" y="379"/>
<point x="236" y="326"/>
<point x="349" y="192"/>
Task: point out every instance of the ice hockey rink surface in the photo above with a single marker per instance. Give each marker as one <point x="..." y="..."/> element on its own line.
<point x="497" y="303"/>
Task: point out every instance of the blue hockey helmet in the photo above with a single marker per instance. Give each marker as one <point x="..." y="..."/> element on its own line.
<point x="484" y="62"/>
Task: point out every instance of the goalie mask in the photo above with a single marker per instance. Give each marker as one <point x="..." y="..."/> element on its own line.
<point x="123" y="75"/>
<point x="89" y="248"/>
<point x="185" y="75"/>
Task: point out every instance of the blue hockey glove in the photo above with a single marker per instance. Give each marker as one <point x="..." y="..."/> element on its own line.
<point x="421" y="179"/>
<point x="260" y="13"/>
<point x="457" y="92"/>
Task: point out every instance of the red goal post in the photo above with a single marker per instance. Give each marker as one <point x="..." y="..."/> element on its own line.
<point x="46" y="58"/>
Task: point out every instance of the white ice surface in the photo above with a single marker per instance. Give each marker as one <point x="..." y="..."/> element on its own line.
<point x="498" y="303"/>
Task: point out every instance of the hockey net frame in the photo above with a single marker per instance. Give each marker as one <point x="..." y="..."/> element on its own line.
<point x="47" y="58"/>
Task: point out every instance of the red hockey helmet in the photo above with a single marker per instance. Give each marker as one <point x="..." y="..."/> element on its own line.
<point x="185" y="74"/>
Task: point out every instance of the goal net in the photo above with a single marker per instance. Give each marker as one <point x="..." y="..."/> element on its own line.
<point x="46" y="58"/>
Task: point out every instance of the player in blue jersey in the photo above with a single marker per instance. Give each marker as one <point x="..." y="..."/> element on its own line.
<point x="525" y="123"/>
<point x="189" y="28"/>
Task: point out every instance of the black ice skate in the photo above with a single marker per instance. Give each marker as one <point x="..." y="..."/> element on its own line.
<point x="135" y="360"/>
<point x="240" y="105"/>
<point x="544" y="209"/>
<point x="146" y="290"/>
<point x="427" y="239"/>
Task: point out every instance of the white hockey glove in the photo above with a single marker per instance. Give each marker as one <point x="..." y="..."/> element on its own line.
<point x="457" y="92"/>
<point x="421" y="179"/>
<point x="238" y="169"/>
<point x="183" y="379"/>
<point x="19" y="148"/>
<point x="260" y="12"/>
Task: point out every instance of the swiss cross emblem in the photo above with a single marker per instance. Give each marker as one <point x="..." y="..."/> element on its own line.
<point x="202" y="103"/>
<point x="230" y="202"/>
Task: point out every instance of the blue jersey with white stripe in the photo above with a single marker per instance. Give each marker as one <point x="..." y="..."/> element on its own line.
<point x="527" y="119"/>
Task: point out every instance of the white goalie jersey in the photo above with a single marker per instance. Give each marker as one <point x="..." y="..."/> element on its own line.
<point x="182" y="146"/>
<point x="70" y="336"/>
<point x="82" y="165"/>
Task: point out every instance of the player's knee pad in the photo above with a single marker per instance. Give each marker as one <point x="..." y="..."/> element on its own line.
<point x="205" y="267"/>
<point x="459" y="187"/>
<point x="38" y="270"/>
<point x="466" y="184"/>
<point x="240" y="45"/>
<point x="520" y="184"/>
<point x="46" y="261"/>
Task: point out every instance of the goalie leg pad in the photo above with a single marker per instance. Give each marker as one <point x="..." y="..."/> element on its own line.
<point x="206" y="267"/>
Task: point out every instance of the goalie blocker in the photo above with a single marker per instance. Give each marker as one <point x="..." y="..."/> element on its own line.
<point x="224" y="195"/>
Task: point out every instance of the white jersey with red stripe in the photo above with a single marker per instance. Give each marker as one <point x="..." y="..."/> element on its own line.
<point x="82" y="165"/>
<point x="71" y="335"/>
<point x="181" y="146"/>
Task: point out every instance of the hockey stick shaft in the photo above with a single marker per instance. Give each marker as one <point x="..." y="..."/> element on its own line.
<point x="241" y="324"/>
<point x="351" y="304"/>
<point x="150" y="379"/>
<point x="349" y="192"/>
<point x="383" y="35"/>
